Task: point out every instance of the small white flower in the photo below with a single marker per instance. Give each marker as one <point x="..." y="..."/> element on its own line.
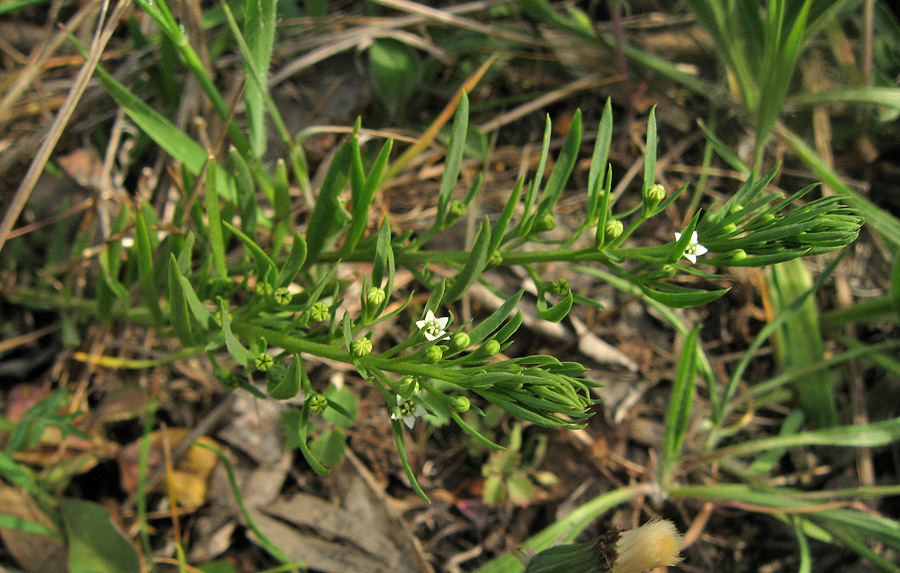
<point x="408" y="411"/>
<point x="434" y="328"/>
<point x="694" y="248"/>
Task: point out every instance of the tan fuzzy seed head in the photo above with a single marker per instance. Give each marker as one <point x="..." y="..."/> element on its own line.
<point x="654" y="544"/>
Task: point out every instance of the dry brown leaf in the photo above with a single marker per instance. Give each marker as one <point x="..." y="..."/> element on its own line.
<point x="191" y="475"/>
<point x="35" y="553"/>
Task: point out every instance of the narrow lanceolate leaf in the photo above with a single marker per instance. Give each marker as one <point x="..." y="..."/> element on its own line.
<point x="683" y="298"/>
<point x="243" y="356"/>
<point x="144" y="252"/>
<point x="203" y="316"/>
<point x="556" y="312"/>
<point x="265" y="267"/>
<point x="679" y="416"/>
<point x="599" y="163"/>
<point x="565" y="163"/>
<point x="453" y="163"/>
<point x="259" y="31"/>
<point x="178" y="309"/>
<point x="325" y="218"/>
<point x="499" y="229"/>
<point x="493" y="322"/>
<point x="650" y="153"/>
<point x="362" y="199"/>
<point x="472" y="269"/>
<point x="293" y="263"/>
<point x="289" y="385"/>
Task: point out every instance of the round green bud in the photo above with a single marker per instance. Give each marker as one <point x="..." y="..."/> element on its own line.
<point x="613" y="230"/>
<point x="491" y="347"/>
<point x="460" y="403"/>
<point x="317" y="402"/>
<point x="737" y="255"/>
<point x="459" y="341"/>
<point x="545" y="222"/>
<point x="494" y="259"/>
<point x="263" y="361"/>
<point x="653" y="197"/>
<point x="217" y="317"/>
<point x="319" y="312"/>
<point x="455" y="209"/>
<point x="729" y="228"/>
<point x="282" y="296"/>
<point x="230" y="382"/>
<point x="361" y="347"/>
<point x="375" y="296"/>
<point x="559" y="287"/>
<point x="434" y="355"/>
<point x="408" y="387"/>
<point x="264" y="289"/>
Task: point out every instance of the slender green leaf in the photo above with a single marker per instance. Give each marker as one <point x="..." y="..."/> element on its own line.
<point x="178" y="308"/>
<point x="453" y="163"/>
<point x="474" y="265"/>
<point x="326" y="216"/>
<point x="259" y="31"/>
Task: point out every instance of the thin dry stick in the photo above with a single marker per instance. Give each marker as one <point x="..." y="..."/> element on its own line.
<point x="81" y="81"/>
<point x="584" y="84"/>
<point x="37" y="59"/>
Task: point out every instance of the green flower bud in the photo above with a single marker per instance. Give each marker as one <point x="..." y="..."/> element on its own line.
<point x="653" y="197"/>
<point x="319" y="312"/>
<point x="361" y="347"/>
<point x="737" y="255"/>
<point x="545" y="222"/>
<point x="375" y="296"/>
<point x="491" y="347"/>
<point x="282" y="296"/>
<point x="612" y="230"/>
<point x="459" y="341"/>
<point x="263" y="362"/>
<point x="495" y="259"/>
<point x="217" y="317"/>
<point x="559" y="287"/>
<point x="729" y="228"/>
<point x="317" y="402"/>
<point x="264" y="289"/>
<point x="455" y="209"/>
<point x="230" y="382"/>
<point x="434" y="355"/>
<point x="408" y="387"/>
<point x="460" y="403"/>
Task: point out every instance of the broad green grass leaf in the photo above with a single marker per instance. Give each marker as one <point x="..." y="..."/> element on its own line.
<point x="95" y="544"/>
<point x="679" y="416"/>
<point x="798" y="342"/>
<point x="259" y="32"/>
<point x="215" y="235"/>
<point x="396" y="70"/>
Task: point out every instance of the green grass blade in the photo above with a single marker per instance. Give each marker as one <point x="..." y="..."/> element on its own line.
<point x="144" y="252"/>
<point x="216" y="235"/>
<point x="178" y="308"/>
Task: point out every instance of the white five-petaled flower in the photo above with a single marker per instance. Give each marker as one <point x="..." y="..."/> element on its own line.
<point x="433" y="327"/>
<point x="694" y="248"/>
<point x="408" y="411"/>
